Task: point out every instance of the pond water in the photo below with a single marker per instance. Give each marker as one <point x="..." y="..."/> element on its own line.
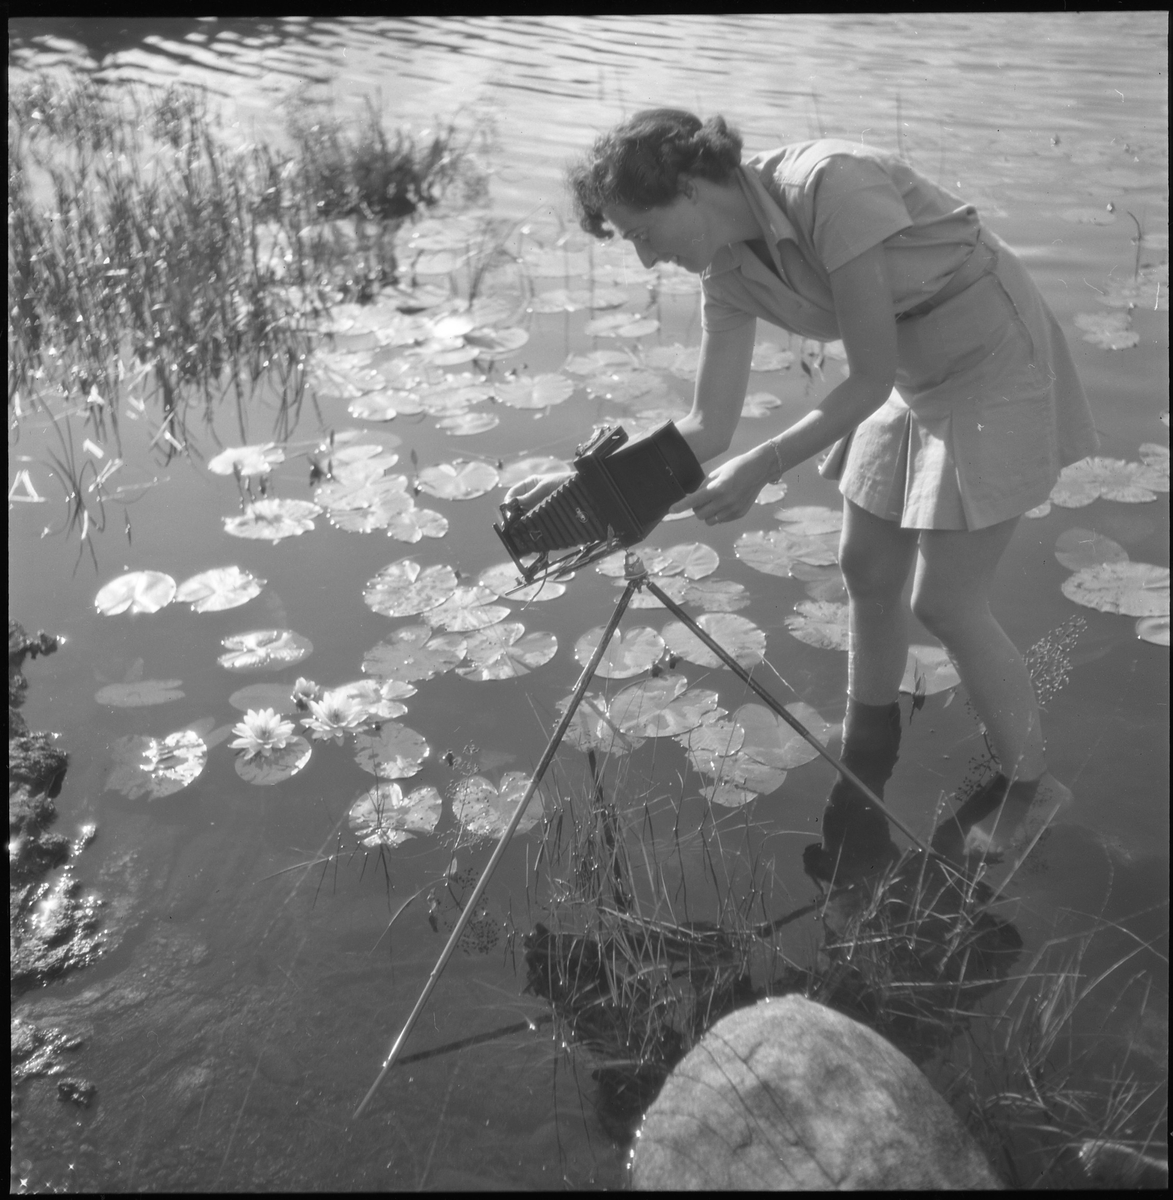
<point x="252" y="988"/>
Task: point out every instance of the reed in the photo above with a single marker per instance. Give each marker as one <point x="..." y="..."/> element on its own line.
<point x="149" y="257"/>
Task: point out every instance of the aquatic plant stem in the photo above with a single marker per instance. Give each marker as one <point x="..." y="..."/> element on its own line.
<point x="471" y="903"/>
<point x="790" y="720"/>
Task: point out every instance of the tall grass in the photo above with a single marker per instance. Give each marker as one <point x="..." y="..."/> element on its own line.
<point x="149" y="256"/>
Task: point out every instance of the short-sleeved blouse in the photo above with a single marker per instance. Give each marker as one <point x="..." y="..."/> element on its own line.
<point x="987" y="406"/>
<point x="836" y="199"/>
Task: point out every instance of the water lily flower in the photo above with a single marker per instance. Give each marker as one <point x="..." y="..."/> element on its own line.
<point x="261" y="732"/>
<point x="334" y="715"/>
<point x="305" y="690"/>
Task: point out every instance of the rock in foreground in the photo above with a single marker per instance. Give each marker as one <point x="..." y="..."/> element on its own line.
<point x="789" y="1095"/>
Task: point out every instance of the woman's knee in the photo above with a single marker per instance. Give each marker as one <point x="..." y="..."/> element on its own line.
<point x="943" y="610"/>
<point x="870" y="573"/>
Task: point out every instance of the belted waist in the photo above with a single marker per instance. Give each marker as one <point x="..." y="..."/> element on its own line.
<point x="982" y="258"/>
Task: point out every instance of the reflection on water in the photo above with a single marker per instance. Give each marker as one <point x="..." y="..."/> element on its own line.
<point x="248" y="994"/>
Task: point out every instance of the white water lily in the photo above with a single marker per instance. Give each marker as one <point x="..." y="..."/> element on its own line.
<point x="262" y="731"/>
<point x="334" y="715"/>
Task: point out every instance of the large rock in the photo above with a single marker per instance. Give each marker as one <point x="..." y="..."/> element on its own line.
<point x="789" y="1095"/>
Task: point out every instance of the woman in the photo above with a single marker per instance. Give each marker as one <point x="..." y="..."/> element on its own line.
<point x="831" y="239"/>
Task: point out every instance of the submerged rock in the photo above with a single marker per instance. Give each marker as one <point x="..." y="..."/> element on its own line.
<point x="789" y="1095"/>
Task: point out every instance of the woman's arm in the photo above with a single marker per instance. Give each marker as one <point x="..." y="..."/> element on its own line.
<point x="863" y="305"/>
<point x="721" y="379"/>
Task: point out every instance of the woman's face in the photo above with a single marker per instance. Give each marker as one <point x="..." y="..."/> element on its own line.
<point x="676" y="232"/>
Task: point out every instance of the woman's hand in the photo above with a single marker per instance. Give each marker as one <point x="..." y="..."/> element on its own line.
<point x="535" y="488"/>
<point x="729" y="491"/>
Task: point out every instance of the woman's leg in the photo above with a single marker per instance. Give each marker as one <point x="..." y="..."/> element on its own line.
<point x="951" y="591"/>
<point x="875" y="556"/>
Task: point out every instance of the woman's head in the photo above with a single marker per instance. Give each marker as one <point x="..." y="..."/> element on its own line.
<point x="644" y="162"/>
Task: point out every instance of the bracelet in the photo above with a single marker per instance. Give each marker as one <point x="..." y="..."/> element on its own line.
<point x="777" y="460"/>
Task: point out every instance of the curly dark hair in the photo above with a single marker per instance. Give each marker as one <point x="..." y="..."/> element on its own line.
<point x="640" y="162"/>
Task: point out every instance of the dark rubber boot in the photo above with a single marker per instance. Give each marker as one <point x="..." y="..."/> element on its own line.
<point x="856" y="840"/>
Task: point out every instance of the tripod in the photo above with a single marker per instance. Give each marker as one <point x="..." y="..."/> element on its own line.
<point x="636" y="575"/>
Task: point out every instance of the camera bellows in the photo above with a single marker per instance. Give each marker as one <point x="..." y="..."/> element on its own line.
<point x="620" y="492"/>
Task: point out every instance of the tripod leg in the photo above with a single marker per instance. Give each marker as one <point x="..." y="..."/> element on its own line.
<point x="471" y="904"/>
<point x="790" y="720"/>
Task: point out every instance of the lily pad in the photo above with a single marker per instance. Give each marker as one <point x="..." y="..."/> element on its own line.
<point x="663" y="707"/>
<point x="1109" y="478"/>
<point x="773" y="551"/>
<point x="811" y="519"/>
<point x="673" y="586"/>
<point x="277" y="766"/>
<point x="821" y="583"/>
<point x="615" y="324"/>
<point x="819" y="623"/>
<point x="247" y="460"/>
<point x="468" y="424"/>
<point x="467" y="608"/>
<point x="1134" y="589"/>
<point x="404" y="588"/>
<point x="760" y="404"/>
<point x="392" y="752"/>
<point x="772" y="742"/>
<point x="538" y="391"/>
<point x="1108" y="331"/>
<point x="623" y="385"/>
<point x="928" y="670"/>
<point x="458" y="480"/>
<point x="592" y="729"/>
<point x="738" y="636"/>
<point x="376" y="699"/>
<point x="713" y="740"/>
<point x="635" y="704"/>
<point x="273" y="520"/>
<point x="277" y="696"/>
<point x="219" y="589"/>
<point x="504" y="580"/>
<point x="596" y="361"/>
<point x="523" y="468"/>
<point x="384" y="816"/>
<point x="413" y="653"/>
<point x="1079" y="548"/>
<point x="138" y="592"/>
<point x="414" y="523"/>
<point x="385" y="406"/>
<point x="264" y="649"/>
<point x="770" y="357"/>
<point x="693" y="560"/>
<point x="157" y="767"/>
<point x="715" y="595"/>
<point x="1153" y="629"/>
<point x="140" y="695"/>
<point x="629" y="653"/>
<point x="771" y="493"/>
<point x="505" y="651"/>
<point x="485" y="810"/>
<point x="497" y="343"/>
<point x="678" y="360"/>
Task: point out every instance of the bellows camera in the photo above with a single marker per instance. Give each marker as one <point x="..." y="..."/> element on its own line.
<point x="620" y="491"/>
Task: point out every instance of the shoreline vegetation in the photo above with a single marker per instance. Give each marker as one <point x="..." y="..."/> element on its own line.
<point x="147" y="255"/>
<point x="150" y="258"/>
